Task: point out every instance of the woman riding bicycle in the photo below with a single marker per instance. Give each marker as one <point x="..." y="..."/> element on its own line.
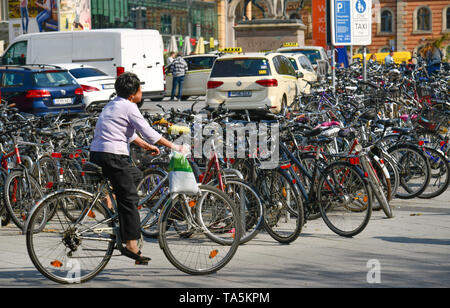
<point x="115" y="130"/>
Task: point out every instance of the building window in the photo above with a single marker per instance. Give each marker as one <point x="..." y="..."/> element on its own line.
<point x="166" y="24"/>
<point x="446" y="19"/>
<point x="386" y="21"/>
<point x="423" y="19"/>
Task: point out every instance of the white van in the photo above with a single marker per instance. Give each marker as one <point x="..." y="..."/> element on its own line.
<point x="113" y="51"/>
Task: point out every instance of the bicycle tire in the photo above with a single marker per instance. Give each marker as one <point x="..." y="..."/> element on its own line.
<point x="4" y="216"/>
<point x="187" y="238"/>
<point x="45" y="171"/>
<point x="355" y="200"/>
<point x="376" y="183"/>
<point x="283" y="216"/>
<point x="438" y="162"/>
<point x="150" y="215"/>
<point x="421" y="170"/>
<point x="393" y="173"/>
<point x="55" y="253"/>
<point x="17" y="207"/>
<point x="247" y="198"/>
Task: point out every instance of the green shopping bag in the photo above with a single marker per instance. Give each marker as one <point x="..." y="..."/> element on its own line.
<point x="181" y="176"/>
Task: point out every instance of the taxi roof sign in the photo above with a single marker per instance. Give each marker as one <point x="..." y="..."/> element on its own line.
<point x="231" y="50"/>
<point x="290" y="44"/>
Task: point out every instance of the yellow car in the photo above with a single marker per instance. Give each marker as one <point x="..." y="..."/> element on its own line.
<point x="194" y="84"/>
<point x="302" y="65"/>
<point x="252" y="80"/>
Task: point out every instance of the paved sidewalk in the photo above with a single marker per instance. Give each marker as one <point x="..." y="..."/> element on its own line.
<point x="410" y="250"/>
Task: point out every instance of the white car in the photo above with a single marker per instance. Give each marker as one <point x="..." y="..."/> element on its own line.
<point x="194" y="84"/>
<point x="251" y="81"/>
<point x="314" y="54"/>
<point x="302" y="64"/>
<point x="98" y="87"/>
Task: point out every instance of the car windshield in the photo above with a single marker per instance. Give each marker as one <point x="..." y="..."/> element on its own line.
<point x="240" y="67"/>
<point x="84" y="72"/>
<point x="306" y="64"/>
<point x="200" y="63"/>
<point x="313" y="55"/>
<point x="53" y="79"/>
<point x="294" y="63"/>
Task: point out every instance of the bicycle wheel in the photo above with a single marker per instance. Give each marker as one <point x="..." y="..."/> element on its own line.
<point x="45" y="171"/>
<point x="440" y="174"/>
<point x="21" y="192"/>
<point x="344" y="199"/>
<point x="190" y="227"/>
<point x="283" y="212"/>
<point x="4" y="216"/>
<point x="414" y="170"/>
<point x="66" y="251"/>
<point x="389" y="162"/>
<point x="149" y="211"/>
<point x="378" y="182"/>
<point x="251" y="210"/>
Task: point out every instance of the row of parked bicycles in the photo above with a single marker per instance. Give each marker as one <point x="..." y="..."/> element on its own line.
<point x="340" y="153"/>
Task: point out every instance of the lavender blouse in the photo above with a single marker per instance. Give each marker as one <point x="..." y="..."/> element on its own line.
<point x="116" y="128"/>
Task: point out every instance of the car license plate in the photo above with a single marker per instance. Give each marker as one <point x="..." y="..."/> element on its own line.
<point x="239" y="93"/>
<point x="62" y="101"/>
<point x="108" y="86"/>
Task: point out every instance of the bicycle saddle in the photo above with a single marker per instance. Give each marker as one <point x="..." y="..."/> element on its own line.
<point x="402" y="130"/>
<point x="92" y="169"/>
<point x="369" y="115"/>
<point x="387" y="122"/>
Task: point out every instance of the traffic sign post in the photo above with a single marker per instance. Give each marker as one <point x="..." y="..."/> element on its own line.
<point x="351" y="22"/>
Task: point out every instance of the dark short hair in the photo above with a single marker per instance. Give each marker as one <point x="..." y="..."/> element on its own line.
<point x="127" y="84"/>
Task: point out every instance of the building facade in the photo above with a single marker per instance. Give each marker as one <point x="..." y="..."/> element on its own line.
<point x="407" y="25"/>
<point x="404" y="25"/>
<point x="194" y="18"/>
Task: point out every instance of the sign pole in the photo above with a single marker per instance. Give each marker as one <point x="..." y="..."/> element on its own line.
<point x="333" y="67"/>
<point x="364" y="63"/>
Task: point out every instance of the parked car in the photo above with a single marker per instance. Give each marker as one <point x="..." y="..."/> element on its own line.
<point x="316" y="55"/>
<point x="302" y="65"/>
<point x="113" y="51"/>
<point x="199" y="68"/>
<point x="98" y="87"/>
<point x="41" y="89"/>
<point x="252" y="81"/>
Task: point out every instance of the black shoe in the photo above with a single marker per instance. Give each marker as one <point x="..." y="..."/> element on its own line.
<point x="139" y="260"/>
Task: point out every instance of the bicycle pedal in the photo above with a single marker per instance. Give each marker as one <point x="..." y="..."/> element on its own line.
<point x="141" y="263"/>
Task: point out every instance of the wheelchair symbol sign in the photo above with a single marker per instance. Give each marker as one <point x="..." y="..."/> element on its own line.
<point x="361" y="6"/>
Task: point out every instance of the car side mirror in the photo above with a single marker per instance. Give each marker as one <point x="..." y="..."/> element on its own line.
<point x="299" y="75"/>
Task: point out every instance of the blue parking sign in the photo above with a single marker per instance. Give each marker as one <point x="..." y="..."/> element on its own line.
<point x="342" y="22"/>
<point x="350" y="22"/>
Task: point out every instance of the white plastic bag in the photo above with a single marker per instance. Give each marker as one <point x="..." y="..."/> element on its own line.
<point x="181" y="176"/>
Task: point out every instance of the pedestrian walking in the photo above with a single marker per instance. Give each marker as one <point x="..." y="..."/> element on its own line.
<point x="372" y="59"/>
<point x="178" y="69"/>
<point x="170" y="58"/>
<point x="433" y="57"/>
<point x="389" y="60"/>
